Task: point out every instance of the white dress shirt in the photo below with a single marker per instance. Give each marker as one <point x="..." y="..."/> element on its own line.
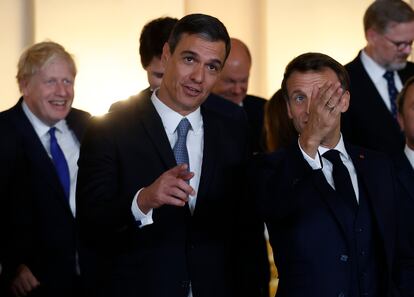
<point x="67" y="141"/>
<point x="195" y="143"/>
<point x="376" y="72"/>
<point x="410" y="155"/>
<point x="327" y="166"/>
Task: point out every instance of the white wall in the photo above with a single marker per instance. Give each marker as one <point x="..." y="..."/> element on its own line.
<point x="103" y="36"/>
<point x="333" y="27"/>
<point x="15" y="34"/>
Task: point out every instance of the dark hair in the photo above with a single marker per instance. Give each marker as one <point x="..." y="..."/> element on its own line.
<point x="207" y="27"/>
<point x="382" y="12"/>
<point x="278" y="127"/>
<point x="403" y="93"/>
<point x="314" y="62"/>
<point x="153" y="37"/>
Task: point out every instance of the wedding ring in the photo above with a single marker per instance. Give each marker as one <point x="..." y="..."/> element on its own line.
<point x="330" y="107"/>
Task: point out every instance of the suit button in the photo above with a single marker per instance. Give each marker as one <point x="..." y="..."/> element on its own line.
<point x="342" y="294"/>
<point x="359" y="230"/>
<point x="362" y="253"/>
<point x="344" y="258"/>
<point x="185" y="284"/>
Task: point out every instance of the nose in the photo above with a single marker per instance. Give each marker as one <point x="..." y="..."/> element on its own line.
<point x="237" y="88"/>
<point x="408" y="48"/>
<point x="61" y="89"/>
<point x="308" y="103"/>
<point x="197" y="74"/>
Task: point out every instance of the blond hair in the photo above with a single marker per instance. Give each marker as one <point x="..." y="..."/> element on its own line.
<point x="38" y="56"/>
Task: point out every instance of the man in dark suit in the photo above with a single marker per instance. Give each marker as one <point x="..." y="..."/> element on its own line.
<point x="233" y="85"/>
<point x="160" y="186"/>
<point x="377" y="75"/>
<point x="329" y="207"/>
<point x="42" y="260"/>
<point x="404" y="164"/>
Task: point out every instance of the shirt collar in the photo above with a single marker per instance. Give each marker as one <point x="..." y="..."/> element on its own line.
<point x="375" y="70"/>
<point x="170" y="118"/>
<point x="41" y="128"/>
<point x="339" y="147"/>
<point x="410" y="155"/>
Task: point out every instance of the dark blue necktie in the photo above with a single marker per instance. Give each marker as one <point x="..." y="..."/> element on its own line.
<point x="392" y="91"/>
<point x="342" y="179"/>
<point x="180" y="147"/>
<point x="60" y="163"/>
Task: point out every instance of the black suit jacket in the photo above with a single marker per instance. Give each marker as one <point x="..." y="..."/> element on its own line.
<point x="42" y="223"/>
<point x="405" y="193"/>
<point x="11" y="174"/>
<point x="258" y="276"/>
<point x="213" y="102"/>
<point x="306" y="222"/>
<point x="254" y="107"/>
<point x="368" y="122"/>
<point x="128" y="150"/>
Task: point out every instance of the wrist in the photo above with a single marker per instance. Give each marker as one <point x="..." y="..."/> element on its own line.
<point x="141" y="202"/>
<point x="309" y="145"/>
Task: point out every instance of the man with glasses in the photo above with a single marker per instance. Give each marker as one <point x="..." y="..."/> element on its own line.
<point x="377" y="75"/>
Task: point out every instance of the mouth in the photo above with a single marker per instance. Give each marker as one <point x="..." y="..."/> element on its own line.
<point x="191" y="91"/>
<point x="58" y="103"/>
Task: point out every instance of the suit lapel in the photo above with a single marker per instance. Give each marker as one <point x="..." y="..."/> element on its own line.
<point x="336" y="204"/>
<point x="379" y="201"/>
<point x="37" y="154"/>
<point x="405" y="174"/>
<point x="77" y="122"/>
<point x="212" y="137"/>
<point x="371" y="95"/>
<point x="152" y="123"/>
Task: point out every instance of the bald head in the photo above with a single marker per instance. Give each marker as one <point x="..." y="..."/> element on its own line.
<point x="234" y="77"/>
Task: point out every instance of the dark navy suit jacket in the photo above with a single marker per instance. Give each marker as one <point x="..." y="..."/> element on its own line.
<point x="254" y="107"/>
<point x="405" y="193"/>
<point x="368" y="122"/>
<point x="307" y="223"/>
<point x="128" y="149"/>
<point x="43" y="227"/>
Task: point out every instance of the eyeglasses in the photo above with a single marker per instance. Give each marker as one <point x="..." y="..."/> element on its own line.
<point x="400" y="45"/>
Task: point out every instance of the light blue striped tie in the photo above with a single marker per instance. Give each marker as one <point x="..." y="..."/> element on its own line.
<point x="180" y="147"/>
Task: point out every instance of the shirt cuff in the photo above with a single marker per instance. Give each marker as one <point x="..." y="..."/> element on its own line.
<point x="141" y="218"/>
<point x="314" y="163"/>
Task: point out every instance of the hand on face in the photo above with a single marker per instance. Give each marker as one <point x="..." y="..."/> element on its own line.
<point x="325" y="107"/>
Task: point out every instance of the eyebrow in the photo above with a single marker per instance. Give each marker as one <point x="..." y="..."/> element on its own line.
<point x="298" y="91"/>
<point x="188" y="52"/>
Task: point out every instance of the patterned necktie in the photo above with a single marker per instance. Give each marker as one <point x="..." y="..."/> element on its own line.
<point x="342" y="179"/>
<point x="180" y="147"/>
<point x="60" y="163"/>
<point x="392" y="91"/>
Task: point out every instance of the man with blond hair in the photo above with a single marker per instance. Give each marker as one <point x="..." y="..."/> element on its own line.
<point x="42" y="253"/>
